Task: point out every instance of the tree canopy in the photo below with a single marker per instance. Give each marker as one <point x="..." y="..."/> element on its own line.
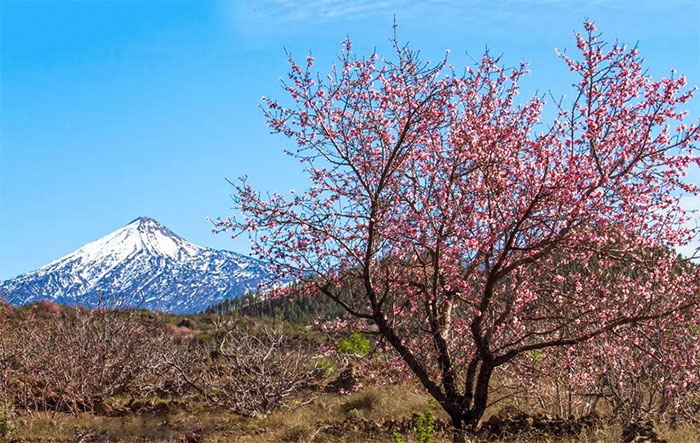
<point x="445" y="213"/>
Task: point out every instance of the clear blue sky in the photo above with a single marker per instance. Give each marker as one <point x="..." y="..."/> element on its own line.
<point x="113" y="110"/>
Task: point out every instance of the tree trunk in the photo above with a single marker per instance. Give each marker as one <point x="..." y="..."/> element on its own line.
<point x="467" y="420"/>
<point x="481" y="393"/>
<point x="457" y="429"/>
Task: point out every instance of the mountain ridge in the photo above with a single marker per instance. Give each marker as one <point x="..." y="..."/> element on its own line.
<point x="142" y="264"/>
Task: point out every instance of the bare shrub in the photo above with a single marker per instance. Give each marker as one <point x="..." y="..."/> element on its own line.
<point x="660" y="384"/>
<point x="637" y="376"/>
<point x="72" y="361"/>
<point x="251" y="372"/>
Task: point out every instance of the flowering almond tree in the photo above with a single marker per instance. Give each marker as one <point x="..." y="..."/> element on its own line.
<point x="446" y="215"/>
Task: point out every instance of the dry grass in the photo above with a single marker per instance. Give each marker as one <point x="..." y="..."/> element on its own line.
<point x="308" y="423"/>
<point x="146" y="428"/>
<point x="685" y="433"/>
<point x="297" y="424"/>
<point x="329" y="418"/>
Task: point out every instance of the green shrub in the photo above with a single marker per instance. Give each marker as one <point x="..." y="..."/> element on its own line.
<point x="425" y="422"/>
<point x="397" y="437"/>
<point x="324" y="368"/>
<point x="355" y="344"/>
<point x="204" y="337"/>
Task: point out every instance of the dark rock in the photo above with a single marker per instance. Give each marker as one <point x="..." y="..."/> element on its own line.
<point x="641" y="432"/>
<point x="90" y="436"/>
<point x="346" y="380"/>
<point x="186" y="323"/>
<point x="510" y="423"/>
<point x="195" y="435"/>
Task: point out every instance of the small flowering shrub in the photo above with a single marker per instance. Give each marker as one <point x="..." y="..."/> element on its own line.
<point x="180" y="334"/>
<point x="46" y="308"/>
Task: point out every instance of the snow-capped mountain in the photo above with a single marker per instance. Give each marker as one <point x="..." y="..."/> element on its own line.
<point x="143" y="264"/>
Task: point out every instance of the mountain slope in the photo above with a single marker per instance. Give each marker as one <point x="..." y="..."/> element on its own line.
<point x="143" y="264"/>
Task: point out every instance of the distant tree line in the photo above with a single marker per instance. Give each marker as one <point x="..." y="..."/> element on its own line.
<point x="297" y="309"/>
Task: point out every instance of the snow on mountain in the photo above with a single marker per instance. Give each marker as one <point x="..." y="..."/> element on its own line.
<point x="143" y="264"/>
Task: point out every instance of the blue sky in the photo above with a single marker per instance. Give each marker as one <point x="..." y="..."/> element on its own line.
<point x="114" y="110"/>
